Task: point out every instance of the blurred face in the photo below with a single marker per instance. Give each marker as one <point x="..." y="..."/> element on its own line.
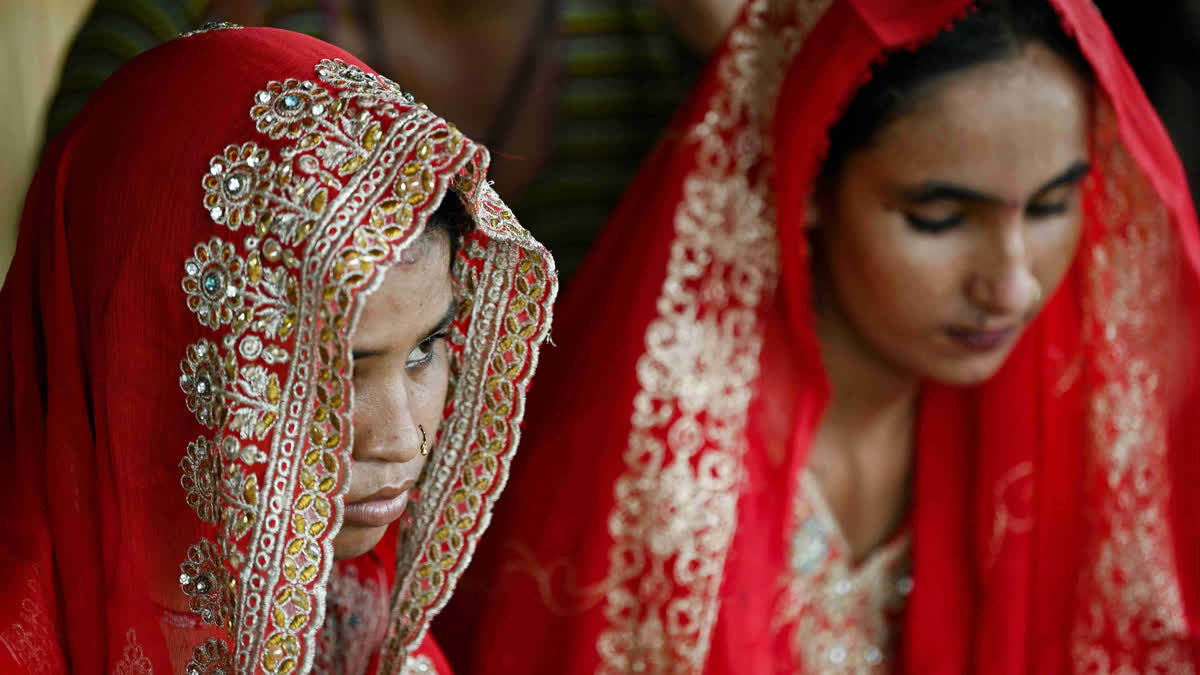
<point x="945" y="235"/>
<point x="400" y="378"/>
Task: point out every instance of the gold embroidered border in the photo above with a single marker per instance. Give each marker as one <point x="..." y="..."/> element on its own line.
<point x="508" y="289"/>
<point x="675" y="506"/>
<point x="1130" y="588"/>
<point x="360" y="166"/>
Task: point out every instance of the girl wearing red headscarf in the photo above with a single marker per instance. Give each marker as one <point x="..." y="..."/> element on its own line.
<point x="263" y="357"/>
<point x="887" y="363"/>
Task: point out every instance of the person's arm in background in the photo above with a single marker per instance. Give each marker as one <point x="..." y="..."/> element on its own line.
<point x="34" y="37"/>
<point x="702" y="23"/>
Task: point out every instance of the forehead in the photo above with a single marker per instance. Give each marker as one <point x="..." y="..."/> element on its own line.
<point x="413" y="294"/>
<point x="1006" y="126"/>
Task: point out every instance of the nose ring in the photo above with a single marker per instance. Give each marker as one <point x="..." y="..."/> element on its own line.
<point x="424" y="442"/>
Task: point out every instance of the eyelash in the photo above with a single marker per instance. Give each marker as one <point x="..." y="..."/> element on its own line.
<point x="926" y="226"/>
<point x="1047" y="210"/>
<point x="427" y="346"/>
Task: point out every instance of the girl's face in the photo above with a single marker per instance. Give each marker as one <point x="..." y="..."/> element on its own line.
<point x="945" y="235"/>
<point x="401" y="374"/>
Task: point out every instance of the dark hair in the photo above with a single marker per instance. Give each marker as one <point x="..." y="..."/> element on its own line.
<point x="451" y="217"/>
<point x="994" y="30"/>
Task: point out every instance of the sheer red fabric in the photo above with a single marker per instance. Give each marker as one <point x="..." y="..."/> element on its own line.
<point x="175" y="388"/>
<point x="1055" y="524"/>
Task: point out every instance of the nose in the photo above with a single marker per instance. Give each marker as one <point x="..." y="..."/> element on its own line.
<point x="384" y="427"/>
<point x="1003" y="281"/>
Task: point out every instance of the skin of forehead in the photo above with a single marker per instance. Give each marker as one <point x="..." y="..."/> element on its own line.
<point x="944" y="101"/>
<point x="419" y="247"/>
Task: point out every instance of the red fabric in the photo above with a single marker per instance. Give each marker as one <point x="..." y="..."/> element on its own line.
<point x="94" y="324"/>
<point x="1100" y="573"/>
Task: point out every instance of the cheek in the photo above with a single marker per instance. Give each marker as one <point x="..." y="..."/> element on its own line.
<point x="886" y="270"/>
<point x="1055" y="249"/>
<point x="430" y="386"/>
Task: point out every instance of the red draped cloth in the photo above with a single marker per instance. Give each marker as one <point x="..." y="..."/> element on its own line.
<point x="176" y="399"/>
<point x="649" y="525"/>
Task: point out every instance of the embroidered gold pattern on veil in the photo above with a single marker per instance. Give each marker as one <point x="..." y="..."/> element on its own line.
<point x="676" y="504"/>
<point x="357" y="168"/>
<point x="1130" y="577"/>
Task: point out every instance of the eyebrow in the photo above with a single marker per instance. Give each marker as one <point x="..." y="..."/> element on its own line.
<point x="446" y="320"/>
<point x="933" y="191"/>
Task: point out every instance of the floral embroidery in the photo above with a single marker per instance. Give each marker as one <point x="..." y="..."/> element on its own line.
<point x="254" y="406"/>
<point x="290" y="108"/>
<point x="202" y="380"/>
<point x="342" y="181"/>
<point x="214" y="283"/>
<point x="210" y="658"/>
<point x="675" y="506"/>
<point x="200" y="475"/>
<point x="352" y="78"/>
<point x="234" y="183"/>
<point x="133" y="659"/>
<point x="206" y="583"/>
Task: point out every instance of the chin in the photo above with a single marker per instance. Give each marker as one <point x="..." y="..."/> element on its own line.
<point x="354" y="541"/>
<point x="967" y="372"/>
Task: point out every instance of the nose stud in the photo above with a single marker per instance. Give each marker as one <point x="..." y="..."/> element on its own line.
<point x="424" y="442"/>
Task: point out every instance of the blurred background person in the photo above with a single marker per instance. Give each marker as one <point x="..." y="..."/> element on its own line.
<point x="568" y="94"/>
<point x="34" y="37"/>
<point x="573" y="93"/>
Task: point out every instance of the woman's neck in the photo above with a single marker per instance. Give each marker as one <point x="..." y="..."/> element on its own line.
<point x="872" y="402"/>
<point x="862" y="453"/>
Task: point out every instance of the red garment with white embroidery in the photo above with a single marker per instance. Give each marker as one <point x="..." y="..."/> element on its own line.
<point x="175" y="388"/>
<point x="652" y="523"/>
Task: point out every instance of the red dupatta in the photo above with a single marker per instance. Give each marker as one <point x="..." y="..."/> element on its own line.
<point x="175" y="389"/>
<point x="1055" y="523"/>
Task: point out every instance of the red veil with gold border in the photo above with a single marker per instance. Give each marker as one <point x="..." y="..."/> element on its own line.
<point x="176" y="398"/>
<point x="1055" y="520"/>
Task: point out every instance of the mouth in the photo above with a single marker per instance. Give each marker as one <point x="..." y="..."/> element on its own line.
<point x="380" y="508"/>
<point x="976" y="340"/>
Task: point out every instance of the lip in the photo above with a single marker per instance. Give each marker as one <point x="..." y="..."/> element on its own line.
<point x="378" y="509"/>
<point x="981" y="340"/>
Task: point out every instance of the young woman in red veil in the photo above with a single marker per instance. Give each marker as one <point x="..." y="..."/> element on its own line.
<point x="887" y="363"/>
<point x="263" y="355"/>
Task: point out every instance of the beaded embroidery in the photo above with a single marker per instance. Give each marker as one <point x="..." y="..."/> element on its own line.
<point x="844" y="616"/>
